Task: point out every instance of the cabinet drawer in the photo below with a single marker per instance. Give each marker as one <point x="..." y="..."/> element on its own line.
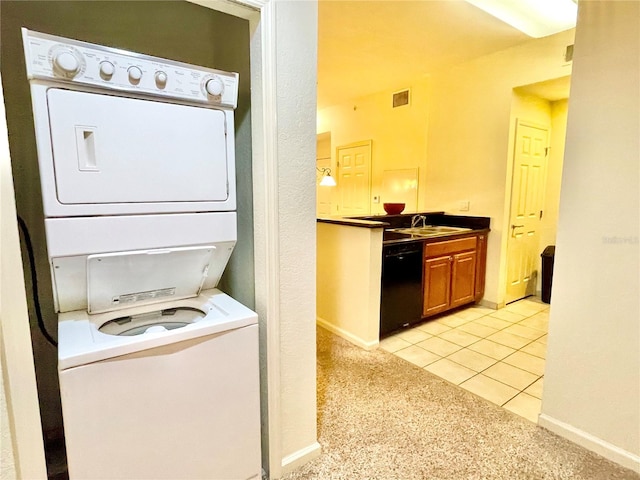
<point x="450" y="246"/>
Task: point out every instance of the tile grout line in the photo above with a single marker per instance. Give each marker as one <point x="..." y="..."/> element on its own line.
<point x="519" y="391"/>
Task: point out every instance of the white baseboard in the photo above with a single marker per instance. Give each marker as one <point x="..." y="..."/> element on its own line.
<point x="488" y="304"/>
<point x="299" y="458"/>
<point x="348" y="335"/>
<point x="591" y="442"/>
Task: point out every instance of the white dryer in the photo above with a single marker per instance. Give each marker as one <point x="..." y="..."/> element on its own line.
<point x="158" y="369"/>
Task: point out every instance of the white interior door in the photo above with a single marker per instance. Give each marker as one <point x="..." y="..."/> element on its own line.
<point x="354" y="179"/>
<point x="527" y="195"/>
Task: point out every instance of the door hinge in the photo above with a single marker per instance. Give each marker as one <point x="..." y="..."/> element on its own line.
<point x="540" y="214"/>
<point x="546" y="151"/>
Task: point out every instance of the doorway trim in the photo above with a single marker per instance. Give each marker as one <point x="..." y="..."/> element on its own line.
<point x="262" y="31"/>
<point x="509" y="195"/>
<point x="17" y="360"/>
<point x="18" y="370"/>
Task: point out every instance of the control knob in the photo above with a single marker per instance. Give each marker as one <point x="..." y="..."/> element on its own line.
<point x="66" y="63"/>
<point x="135" y="74"/>
<point x="214" y="86"/>
<point x="106" y="70"/>
<point x="161" y="79"/>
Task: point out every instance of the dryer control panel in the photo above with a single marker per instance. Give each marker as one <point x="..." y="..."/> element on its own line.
<point x="74" y="62"/>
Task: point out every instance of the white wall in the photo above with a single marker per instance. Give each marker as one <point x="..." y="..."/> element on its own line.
<point x="468" y="155"/>
<point x="555" y="162"/>
<point x="324" y="194"/>
<point x="399" y="134"/>
<point x="296" y="33"/>
<point x="7" y="461"/>
<point x="22" y="452"/>
<point x="592" y="379"/>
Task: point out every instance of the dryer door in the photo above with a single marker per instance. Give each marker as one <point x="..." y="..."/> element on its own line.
<point x="114" y="150"/>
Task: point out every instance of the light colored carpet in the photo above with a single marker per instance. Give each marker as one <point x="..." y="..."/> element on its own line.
<point x="381" y="418"/>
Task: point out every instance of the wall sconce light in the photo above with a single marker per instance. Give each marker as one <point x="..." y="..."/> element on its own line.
<point x="327" y="179"/>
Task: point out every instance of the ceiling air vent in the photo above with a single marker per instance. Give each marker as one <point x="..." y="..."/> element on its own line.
<point x="401" y="98"/>
<point x="568" y="53"/>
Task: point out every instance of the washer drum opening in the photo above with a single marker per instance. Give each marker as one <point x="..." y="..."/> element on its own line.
<point x="156" y="321"/>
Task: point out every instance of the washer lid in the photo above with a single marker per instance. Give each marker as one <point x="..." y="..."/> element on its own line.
<point x="126" y="279"/>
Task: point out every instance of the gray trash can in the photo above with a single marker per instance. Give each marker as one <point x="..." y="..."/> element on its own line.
<point x="547" y="272"/>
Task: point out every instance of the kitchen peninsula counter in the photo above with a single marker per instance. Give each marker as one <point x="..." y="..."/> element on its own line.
<point x="354" y="222"/>
<point x="349" y="268"/>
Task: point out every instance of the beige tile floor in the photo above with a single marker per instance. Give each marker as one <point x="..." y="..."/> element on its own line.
<point x="496" y="354"/>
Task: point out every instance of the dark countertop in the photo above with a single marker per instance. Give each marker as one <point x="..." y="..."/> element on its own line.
<point x="393" y="238"/>
<point x="476" y="224"/>
<point x="376" y="221"/>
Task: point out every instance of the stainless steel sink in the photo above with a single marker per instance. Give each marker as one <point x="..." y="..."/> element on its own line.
<point x="430" y="230"/>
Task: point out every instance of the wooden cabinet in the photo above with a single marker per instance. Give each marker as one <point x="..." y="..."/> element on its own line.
<point x="453" y="273"/>
<point x="481" y="266"/>
<point x="437" y="285"/>
<point x="463" y="276"/>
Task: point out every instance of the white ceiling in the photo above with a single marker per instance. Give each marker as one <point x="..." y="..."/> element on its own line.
<point x="367" y="46"/>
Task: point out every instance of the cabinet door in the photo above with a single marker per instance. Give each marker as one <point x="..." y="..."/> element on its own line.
<point x="463" y="277"/>
<point x="481" y="265"/>
<point x="437" y="282"/>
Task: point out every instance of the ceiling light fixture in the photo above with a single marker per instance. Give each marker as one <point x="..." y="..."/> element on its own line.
<point x="327" y="179"/>
<point x="536" y="18"/>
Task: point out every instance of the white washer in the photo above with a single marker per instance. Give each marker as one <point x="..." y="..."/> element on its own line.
<point x="172" y="404"/>
<point x="158" y="369"/>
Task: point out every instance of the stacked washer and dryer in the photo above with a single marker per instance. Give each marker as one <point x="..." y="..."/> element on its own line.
<point x="158" y="369"/>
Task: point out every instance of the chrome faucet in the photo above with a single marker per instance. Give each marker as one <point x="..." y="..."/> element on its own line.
<point x="415" y="220"/>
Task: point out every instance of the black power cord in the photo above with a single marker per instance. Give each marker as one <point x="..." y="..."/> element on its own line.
<point x="34" y="282"/>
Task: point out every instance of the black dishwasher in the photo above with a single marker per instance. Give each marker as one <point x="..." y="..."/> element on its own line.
<point x="401" y="298"/>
